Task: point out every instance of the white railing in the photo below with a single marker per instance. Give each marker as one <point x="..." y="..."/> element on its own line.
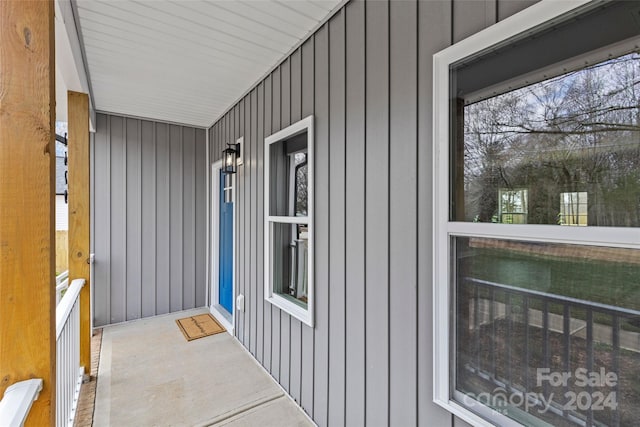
<point x="17" y="401"/>
<point x="62" y="283"/>
<point x="92" y="261"/>
<point x="68" y="370"/>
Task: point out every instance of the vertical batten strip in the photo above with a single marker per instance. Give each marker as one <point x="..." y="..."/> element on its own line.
<point x="355" y="385"/>
<point x="285" y="318"/>
<point x="202" y="227"/>
<point x="118" y="220"/>
<point x="307" y="377"/>
<point x="402" y="202"/>
<point x="253" y="213"/>
<point x="376" y="208"/>
<point x="155" y="215"/>
<point x="434" y="34"/>
<point x="241" y="230"/>
<point x="295" y="346"/>
<point x="246" y="211"/>
<point x="140" y="219"/>
<point x="125" y="222"/>
<point x="267" y="124"/>
<point x="321" y="227"/>
<point x="337" y="240"/>
<point x="275" y="312"/>
<point x="109" y="221"/>
<point x="258" y="197"/>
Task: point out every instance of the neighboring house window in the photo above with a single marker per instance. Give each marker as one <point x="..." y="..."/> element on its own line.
<point x="289" y="220"/>
<point x="531" y="318"/>
<point x="513" y="206"/>
<point x="573" y="208"/>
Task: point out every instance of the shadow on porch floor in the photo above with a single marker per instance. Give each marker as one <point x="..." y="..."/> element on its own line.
<point x="149" y="375"/>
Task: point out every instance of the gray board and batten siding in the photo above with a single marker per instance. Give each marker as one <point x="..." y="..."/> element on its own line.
<point x="148" y="195"/>
<point x="366" y="76"/>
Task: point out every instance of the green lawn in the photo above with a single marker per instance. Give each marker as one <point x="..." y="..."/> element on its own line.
<point x="611" y="283"/>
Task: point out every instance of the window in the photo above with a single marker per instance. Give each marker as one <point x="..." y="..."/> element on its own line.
<point x="537" y="210"/>
<point x="513" y="206"/>
<point x="289" y="220"/>
<point x="228" y="187"/>
<point x="573" y="208"/>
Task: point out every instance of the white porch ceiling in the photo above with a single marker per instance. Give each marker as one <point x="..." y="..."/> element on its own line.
<point x="187" y="61"/>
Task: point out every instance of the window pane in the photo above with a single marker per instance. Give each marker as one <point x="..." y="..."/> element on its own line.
<point x="573" y="208"/>
<point x="290" y="261"/>
<point x="576" y="134"/>
<point x="526" y="314"/>
<point x="301" y="184"/>
<point x="228" y="188"/>
<point x="287" y="176"/>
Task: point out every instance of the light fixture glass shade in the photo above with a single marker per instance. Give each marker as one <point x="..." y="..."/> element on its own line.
<point x="229" y="160"/>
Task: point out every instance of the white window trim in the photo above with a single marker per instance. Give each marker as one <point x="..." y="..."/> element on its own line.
<point x="304" y="315"/>
<point x="240" y="157"/>
<point x="526" y="21"/>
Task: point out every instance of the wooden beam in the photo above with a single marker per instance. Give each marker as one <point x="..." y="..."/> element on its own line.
<point x="27" y="206"/>
<point x="78" y="151"/>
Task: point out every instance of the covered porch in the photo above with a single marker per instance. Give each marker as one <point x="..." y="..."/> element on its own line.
<point x="149" y="374"/>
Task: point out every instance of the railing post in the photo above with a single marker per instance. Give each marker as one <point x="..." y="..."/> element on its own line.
<point x="79" y="268"/>
<point x="27" y="189"/>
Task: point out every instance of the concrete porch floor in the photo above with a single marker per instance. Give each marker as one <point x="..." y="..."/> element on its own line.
<point x="150" y="375"/>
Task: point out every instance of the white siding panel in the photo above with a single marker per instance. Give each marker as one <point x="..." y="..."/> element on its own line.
<point x="62" y="214"/>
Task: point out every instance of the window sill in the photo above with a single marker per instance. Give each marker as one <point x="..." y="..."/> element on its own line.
<point x="293" y="309"/>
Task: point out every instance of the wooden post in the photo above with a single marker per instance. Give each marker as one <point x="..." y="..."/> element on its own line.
<point x="27" y="204"/>
<point x="78" y="151"/>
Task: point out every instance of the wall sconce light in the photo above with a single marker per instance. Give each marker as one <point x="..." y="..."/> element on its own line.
<point x="230" y="158"/>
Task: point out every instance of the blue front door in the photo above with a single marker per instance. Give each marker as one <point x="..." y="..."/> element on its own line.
<point x="225" y="249"/>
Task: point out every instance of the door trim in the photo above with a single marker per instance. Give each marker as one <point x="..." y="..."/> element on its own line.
<point x="225" y="318"/>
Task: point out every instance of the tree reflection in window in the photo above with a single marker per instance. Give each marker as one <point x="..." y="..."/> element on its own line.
<point x="300" y="184"/>
<point x="578" y="132"/>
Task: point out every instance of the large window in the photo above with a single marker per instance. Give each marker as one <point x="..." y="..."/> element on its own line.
<point x="289" y="220"/>
<point x="537" y="128"/>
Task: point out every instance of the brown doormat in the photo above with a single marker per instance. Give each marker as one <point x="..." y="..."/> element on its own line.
<point x="199" y="326"/>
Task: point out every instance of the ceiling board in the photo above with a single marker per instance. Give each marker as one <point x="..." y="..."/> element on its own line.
<point x="188" y="61"/>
